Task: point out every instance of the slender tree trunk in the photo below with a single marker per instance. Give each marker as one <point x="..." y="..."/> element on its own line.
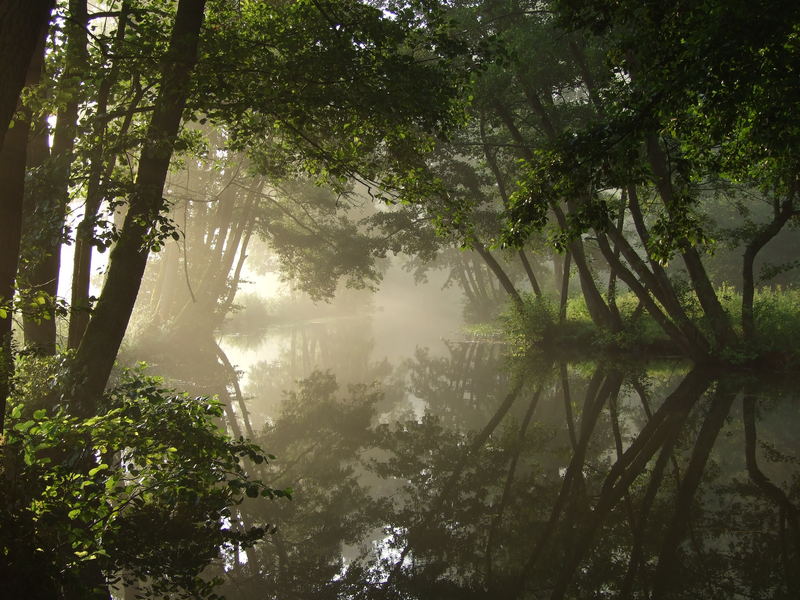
<point x="594" y="299"/>
<point x="480" y="292"/>
<point x="98" y="349"/>
<point x="600" y="389"/>
<point x="718" y="318"/>
<point x="564" y="297"/>
<point x="501" y="275"/>
<point x="512" y="467"/>
<point x="52" y="198"/>
<point x="529" y="272"/>
<point x="99" y="173"/>
<point x="612" y="275"/>
<point x="764" y="235"/>
<point x="465" y="284"/>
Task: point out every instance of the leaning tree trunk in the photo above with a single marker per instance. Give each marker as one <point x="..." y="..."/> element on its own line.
<point x="98" y="349"/>
<point x="717" y="317"/>
<point x="501" y="275"/>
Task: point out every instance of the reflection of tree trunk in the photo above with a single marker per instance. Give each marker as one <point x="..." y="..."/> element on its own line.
<point x="568" y="404"/>
<point x="596" y="397"/>
<point x="613" y="410"/>
<point x="637" y="550"/>
<point x="769" y="489"/>
<point x="666" y="576"/>
<point x="512" y="467"/>
<point x="665" y="423"/>
<point x="233" y="379"/>
<point x="449" y="487"/>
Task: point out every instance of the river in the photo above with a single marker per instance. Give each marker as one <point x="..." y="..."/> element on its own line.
<point x="426" y="464"/>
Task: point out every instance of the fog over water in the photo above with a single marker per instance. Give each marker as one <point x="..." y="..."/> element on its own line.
<point x="453" y="470"/>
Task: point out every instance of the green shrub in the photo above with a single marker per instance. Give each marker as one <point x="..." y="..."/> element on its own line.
<point x="143" y="491"/>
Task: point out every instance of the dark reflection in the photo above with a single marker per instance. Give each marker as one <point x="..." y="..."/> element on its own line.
<point x="540" y="481"/>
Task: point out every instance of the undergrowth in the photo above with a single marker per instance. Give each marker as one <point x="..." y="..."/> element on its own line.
<point x="537" y="328"/>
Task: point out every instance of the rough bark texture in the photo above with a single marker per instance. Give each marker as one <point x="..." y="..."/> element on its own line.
<point x="98" y="349"/>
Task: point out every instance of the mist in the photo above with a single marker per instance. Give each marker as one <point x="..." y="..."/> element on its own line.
<point x="356" y="299"/>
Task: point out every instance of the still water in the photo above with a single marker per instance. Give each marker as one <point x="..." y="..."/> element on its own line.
<point x="437" y="467"/>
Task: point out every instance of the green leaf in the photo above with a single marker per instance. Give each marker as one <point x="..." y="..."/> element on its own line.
<point x="23" y="427"/>
<point x="97" y="469"/>
<point x="73" y="514"/>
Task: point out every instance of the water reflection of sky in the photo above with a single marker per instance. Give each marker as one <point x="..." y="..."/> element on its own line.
<point x="463" y="480"/>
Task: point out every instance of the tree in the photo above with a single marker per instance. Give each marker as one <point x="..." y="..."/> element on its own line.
<point x="21" y="25"/>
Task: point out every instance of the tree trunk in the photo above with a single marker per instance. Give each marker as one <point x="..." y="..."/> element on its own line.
<point x="765" y="234"/>
<point x="718" y="318"/>
<point x="13" y="155"/>
<point x="501" y="275"/>
<point x="21" y="22"/>
<point x="98" y="349"/>
<point x="687" y="346"/>
<point x="99" y="173"/>
<point x="529" y="272"/>
<point x="52" y="197"/>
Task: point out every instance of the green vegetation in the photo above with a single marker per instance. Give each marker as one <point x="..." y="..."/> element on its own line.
<point x="140" y="492"/>
<point x="536" y="327"/>
<point x="605" y="166"/>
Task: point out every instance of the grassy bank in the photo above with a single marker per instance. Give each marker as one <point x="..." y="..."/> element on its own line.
<point x="537" y="328"/>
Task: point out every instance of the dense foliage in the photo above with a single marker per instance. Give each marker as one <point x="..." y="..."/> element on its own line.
<point x="144" y="493"/>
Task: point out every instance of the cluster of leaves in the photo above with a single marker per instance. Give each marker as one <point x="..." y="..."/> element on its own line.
<point x="37" y="305"/>
<point x="143" y="491"/>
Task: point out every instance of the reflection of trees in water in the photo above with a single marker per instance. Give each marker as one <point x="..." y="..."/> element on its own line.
<point x="463" y="387"/>
<point x="547" y="483"/>
<point x="342" y="346"/>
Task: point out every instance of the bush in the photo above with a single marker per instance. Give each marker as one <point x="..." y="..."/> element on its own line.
<point x="142" y="492"/>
